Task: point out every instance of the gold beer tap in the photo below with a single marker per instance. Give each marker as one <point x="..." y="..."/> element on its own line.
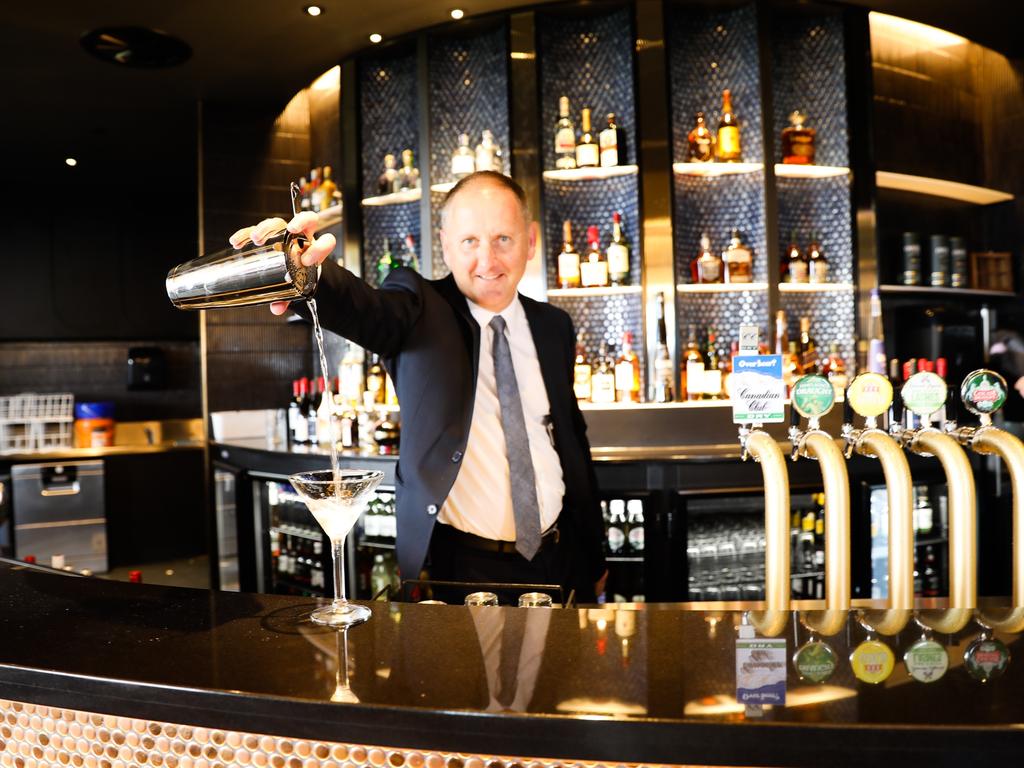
<point x="925" y="394"/>
<point x="983" y="393"/>
<point x="813" y="397"/>
<point x="870" y="395"/>
<point x="759" y="445"/>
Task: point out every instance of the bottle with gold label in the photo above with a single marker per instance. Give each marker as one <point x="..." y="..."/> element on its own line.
<point x="791" y="369"/>
<point x="727" y="149"/>
<point x="817" y="263"/>
<point x="582" y="371"/>
<point x="739" y="261"/>
<point x="796" y="268"/>
<point x="712" y="371"/>
<point x="663" y="375"/>
<point x="692" y="367"/>
<point x="603" y="379"/>
<point x="594" y="267"/>
<point x="611" y="147"/>
<point x="565" y="136"/>
<point x="808" y="348"/>
<point x="618" y="253"/>
<point x="798" y="141"/>
<point x="329" y="194"/>
<point x="568" y="260"/>
<point x="627" y="372"/>
<point x="375" y="380"/>
<point x="835" y="369"/>
<point x="709" y="264"/>
<point x="701" y="141"/>
<point x="587" y="155"/>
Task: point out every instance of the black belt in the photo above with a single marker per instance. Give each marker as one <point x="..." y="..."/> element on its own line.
<point x="471" y="540"/>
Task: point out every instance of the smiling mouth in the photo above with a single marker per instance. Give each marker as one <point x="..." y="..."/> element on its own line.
<point x="489" y="279"/>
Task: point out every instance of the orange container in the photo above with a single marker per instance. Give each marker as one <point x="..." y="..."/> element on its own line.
<point x="94" y="433"/>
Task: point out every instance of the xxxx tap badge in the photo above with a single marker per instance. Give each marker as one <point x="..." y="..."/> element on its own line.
<point x="986" y="658"/>
<point x="870" y="395"/>
<point x="813" y="396"/>
<point x="983" y="392"/>
<point x="872" y="661"/>
<point x="815" y="661"/>
<point x="926" y="661"/>
<point x="924" y="393"/>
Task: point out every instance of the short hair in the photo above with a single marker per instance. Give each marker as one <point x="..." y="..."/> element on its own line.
<point x="492" y="177"/>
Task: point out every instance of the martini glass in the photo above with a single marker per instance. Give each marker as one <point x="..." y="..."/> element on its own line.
<point x="336" y="500"/>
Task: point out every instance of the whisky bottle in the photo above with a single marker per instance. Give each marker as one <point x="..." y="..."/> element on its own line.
<point x="313" y="190"/>
<point x="409" y="258"/>
<point x="701" y="141"/>
<point x="712" y="373"/>
<point x="797" y="270"/>
<point x="582" y="371"/>
<point x="693" y="367"/>
<point x="739" y="261"/>
<point x="835" y="370"/>
<point x="876" y="358"/>
<point x="958" y="262"/>
<point x="488" y="153"/>
<point x="328" y="190"/>
<point x="939" y="266"/>
<point x="603" y="380"/>
<point x="593" y="268"/>
<point x="408" y="176"/>
<point x="568" y="260"/>
<point x="816" y="260"/>
<point x="627" y="372"/>
<point x="911" y="272"/>
<point x="463" y="161"/>
<point x="798" y="141"/>
<point x="728" y="145"/>
<point x="375" y="380"/>
<point x="586" y="148"/>
<point x="726" y="365"/>
<point x="609" y="143"/>
<point x="791" y="369"/>
<point x="808" y="348"/>
<point x="664" y="391"/>
<point x="387" y="263"/>
<point x="386" y="182"/>
<point x="709" y="264"/>
<point x="618" y="253"/>
<point x="781" y="333"/>
<point x="565" y="136"/>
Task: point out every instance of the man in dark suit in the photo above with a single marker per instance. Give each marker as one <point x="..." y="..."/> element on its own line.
<point x="494" y="475"/>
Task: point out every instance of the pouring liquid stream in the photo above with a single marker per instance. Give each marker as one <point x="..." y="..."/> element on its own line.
<point x="318" y="333"/>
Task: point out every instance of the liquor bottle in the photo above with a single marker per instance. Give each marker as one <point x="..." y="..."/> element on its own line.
<point x="380" y="580"/>
<point x="805" y="560"/>
<point x="488" y="153"/>
<point x="911" y="272"/>
<point x="565" y="136"/>
<point x="582" y="371"/>
<point x="709" y="264"/>
<point x="409" y="258"/>
<point x="791" y="369"/>
<point x="663" y="373"/>
<point x="930" y="580"/>
<point x="390" y="394"/>
<point x="958" y="262"/>
<point x="819" y="547"/>
<point x="375" y="380"/>
<point x="725" y="369"/>
<point x="739" y="261"/>
<point x="734" y="349"/>
<point x="305" y="204"/>
<point x="350" y="371"/>
<point x="593" y="268"/>
<point x="876" y="335"/>
<point x="602" y="382"/>
<point x="389" y="178"/>
<point x="796" y="263"/>
<point x="408" y="176"/>
<point x="463" y="161"/>
<point x="328" y="190"/>
<point x="616" y="526"/>
<point x="568" y="260"/>
<point x="781" y="333"/>
<point x="817" y="262"/>
<point x="712" y="373"/>
<point x="692" y="368"/>
<point x="314" y="189"/>
<point x="298" y="430"/>
<point x="587" y="155"/>
<point x="324" y="421"/>
<point x="701" y="141"/>
<point x="315" y="392"/>
<point x="808" y="348"/>
<point x="608" y="140"/>
<point x="618" y="253"/>
<point x="387" y="263"/>
<point x="627" y="372"/>
<point x="835" y="370"/>
<point x="635" y="525"/>
<point x="939" y="266"/>
<point x="798" y="141"/>
<point x="728" y="144"/>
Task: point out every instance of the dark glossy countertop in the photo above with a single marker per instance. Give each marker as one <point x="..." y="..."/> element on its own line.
<point x="654" y="685"/>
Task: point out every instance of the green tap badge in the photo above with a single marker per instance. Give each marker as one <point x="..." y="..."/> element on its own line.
<point x="983" y="392"/>
<point x="924" y="393"/>
<point x="813" y="396"/>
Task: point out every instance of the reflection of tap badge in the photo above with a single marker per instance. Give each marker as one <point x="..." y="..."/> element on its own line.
<point x="924" y="393"/>
<point x="813" y="396"/>
<point x="870" y="395"/>
<point x="815" y="661"/>
<point x="983" y="392"/>
<point x="872" y="661"/>
<point x="986" y="658"/>
<point x="926" y="660"/>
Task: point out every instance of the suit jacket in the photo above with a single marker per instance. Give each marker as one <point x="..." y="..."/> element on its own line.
<point x="430" y="345"/>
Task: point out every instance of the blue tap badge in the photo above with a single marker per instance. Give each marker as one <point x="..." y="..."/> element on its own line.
<point x="758" y="390"/>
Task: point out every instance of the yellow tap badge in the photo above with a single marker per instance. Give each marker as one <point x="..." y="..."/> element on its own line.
<point x="872" y="661"/>
<point x="870" y="395"/>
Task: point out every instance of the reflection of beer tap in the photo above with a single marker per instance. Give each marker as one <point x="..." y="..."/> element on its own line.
<point x="813" y="397"/>
<point x="342" y="691"/>
<point x="983" y="393"/>
<point x="925" y="395"/>
<point x="758" y="444"/>
<point x="870" y="395"/>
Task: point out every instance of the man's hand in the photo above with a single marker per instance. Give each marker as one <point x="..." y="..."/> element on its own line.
<point x="306" y="223"/>
<point x="1019" y="385"/>
<point x="599" y="584"/>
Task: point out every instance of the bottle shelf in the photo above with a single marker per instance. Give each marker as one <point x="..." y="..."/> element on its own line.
<point x="394" y="198"/>
<point x="952" y="190"/>
<point x="623" y="559"/>
<point x="790" y="171"/>
<point x="610" y="290"/>
<point x="619" y="405"/>
<point x="720" y="287"/>
<point x="927" y="290"/>
<point x="587" y="174"/>
<point x="716" y="169"/>
<point x="814" y="287"/>
<point x="448" y="186"/>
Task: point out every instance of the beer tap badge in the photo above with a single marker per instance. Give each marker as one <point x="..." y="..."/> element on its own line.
<point x="983" y="392"/>
<point x="813" y="396"/>
<point x="870" y="395"/>
<point x="924" y="393"/>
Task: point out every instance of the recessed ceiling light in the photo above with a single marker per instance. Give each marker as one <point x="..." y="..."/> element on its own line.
<point x="313" y="10"/>
<point x="375" y="38"/>
<point x="71" y="161"/>
<point x="457" y="13"/>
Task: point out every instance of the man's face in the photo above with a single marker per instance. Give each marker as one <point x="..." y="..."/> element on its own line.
<point x="486" y="243"/>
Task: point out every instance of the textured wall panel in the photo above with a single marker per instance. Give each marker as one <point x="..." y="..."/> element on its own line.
<point x="392" y="222"/>
<point x="724" y="312"/>
<point x="832" y="319"/>
<point x="821" y="205"/>
<point x="388" y="112"/>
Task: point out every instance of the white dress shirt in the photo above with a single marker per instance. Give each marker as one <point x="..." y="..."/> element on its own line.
<point x="490" y="625"/>
<point x="480" y="501"/>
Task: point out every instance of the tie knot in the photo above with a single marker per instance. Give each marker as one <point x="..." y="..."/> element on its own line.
<point x="497" y="324"/>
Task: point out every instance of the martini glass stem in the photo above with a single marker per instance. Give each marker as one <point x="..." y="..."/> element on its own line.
<point x="338" y="560"/>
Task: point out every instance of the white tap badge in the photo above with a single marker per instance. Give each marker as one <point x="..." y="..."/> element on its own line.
<point x="761" y="670"/>
<point x="757" y="389"/>
<point x="749" y="339"/>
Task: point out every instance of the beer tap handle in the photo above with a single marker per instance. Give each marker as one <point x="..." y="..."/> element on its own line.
<point x="795" y="433"/>
<point x="847" y="410"/>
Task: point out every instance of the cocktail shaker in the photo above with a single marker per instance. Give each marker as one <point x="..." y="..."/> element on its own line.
<point x="253" y="274"/>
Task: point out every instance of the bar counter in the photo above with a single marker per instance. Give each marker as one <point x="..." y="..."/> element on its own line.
<point x="171" y="676"/>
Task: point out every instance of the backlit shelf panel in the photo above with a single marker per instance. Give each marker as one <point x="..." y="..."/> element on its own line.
<point x="716" y="169"/>
<point x="610" y="290"/>
<point x="585" y="174"/>
<point x="395" y="198"/>
<point x="720" y="287"/>
<point x="814" y="287"/>
<point x="951" y="190"/>
<point x="788" y="171"/>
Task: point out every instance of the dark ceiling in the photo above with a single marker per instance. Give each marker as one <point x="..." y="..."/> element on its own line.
<point x="59" y="101"/>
